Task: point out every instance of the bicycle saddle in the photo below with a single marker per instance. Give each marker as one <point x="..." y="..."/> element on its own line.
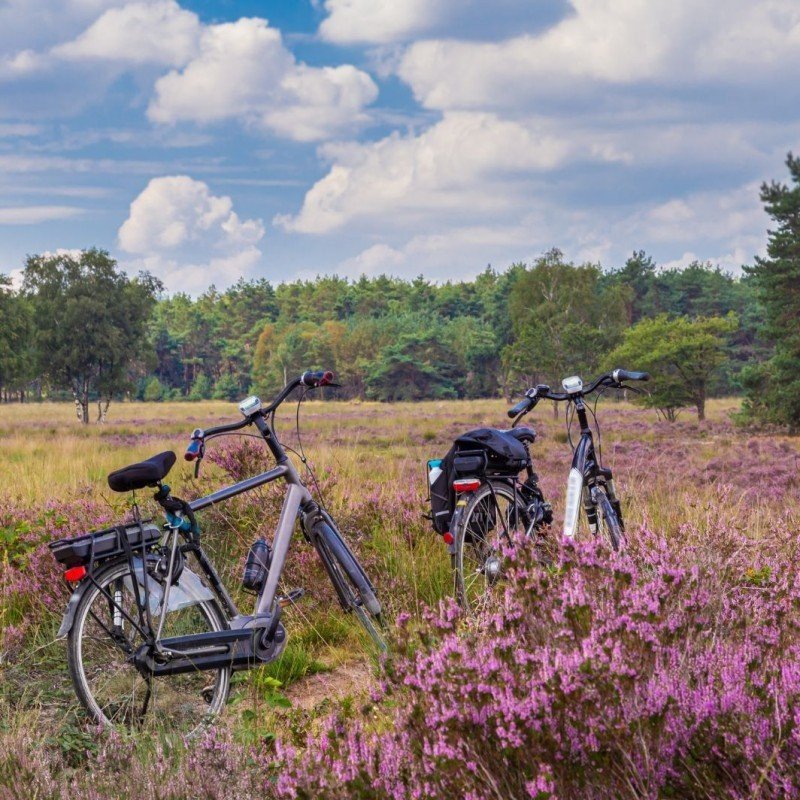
<point x="145" y="473"/>
<point x="522" y="434"/>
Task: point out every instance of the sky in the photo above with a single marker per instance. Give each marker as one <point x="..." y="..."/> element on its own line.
<point x="208" y="140"/>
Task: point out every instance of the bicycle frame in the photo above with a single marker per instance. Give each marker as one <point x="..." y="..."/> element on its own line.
<point x="297" y="501"/>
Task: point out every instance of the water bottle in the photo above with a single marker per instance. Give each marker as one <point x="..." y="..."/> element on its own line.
<point x="257" y="566"/>
<point x="435" y="470"/>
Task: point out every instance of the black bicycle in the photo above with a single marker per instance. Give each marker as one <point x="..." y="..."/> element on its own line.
<point x="152" y="633"/>
<point x="484" y="493"/>
<point x="589" y="483"/>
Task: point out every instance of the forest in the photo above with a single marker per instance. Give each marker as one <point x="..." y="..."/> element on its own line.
<point x="386" y="338"/>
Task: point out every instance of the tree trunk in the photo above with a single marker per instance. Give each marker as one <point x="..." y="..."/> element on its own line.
<point x="82" y="401"/>
<point x="701" y="406"/>
<point x="555" y="410"/>
<point x="102" y="409"/>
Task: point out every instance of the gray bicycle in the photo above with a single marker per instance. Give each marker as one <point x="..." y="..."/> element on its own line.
<point x="153" y="635"/>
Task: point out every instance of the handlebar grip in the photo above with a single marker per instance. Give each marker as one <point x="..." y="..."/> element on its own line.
<point x="523" y="405"/>
<point x="195" y="448"/>
<point x="620" y="375"/>
<point x="313" y="379"/>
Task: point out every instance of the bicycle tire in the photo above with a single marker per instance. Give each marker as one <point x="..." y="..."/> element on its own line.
<point x="352" y="585"/>
<point x="607" y="520"/>
<point x="477" y="553"/>
<point x="180" y="704"/>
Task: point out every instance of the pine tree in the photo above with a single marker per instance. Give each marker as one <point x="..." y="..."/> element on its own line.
<point x="773" y="389"/>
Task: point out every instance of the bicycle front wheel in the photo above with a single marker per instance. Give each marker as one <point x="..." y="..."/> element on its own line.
<point x="607" y="521"/>
<point x="100" y="648"/>
<point x="355" y="590"/>
<point x="491" y="518"/>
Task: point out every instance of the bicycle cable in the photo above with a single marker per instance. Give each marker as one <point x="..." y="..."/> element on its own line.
<point x="570" y="414"/>
<point x="593" y="412"/>
<point x="302" y="454"/>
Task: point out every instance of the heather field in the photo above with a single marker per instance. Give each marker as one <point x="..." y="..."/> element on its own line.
<point x="670" y="670"/>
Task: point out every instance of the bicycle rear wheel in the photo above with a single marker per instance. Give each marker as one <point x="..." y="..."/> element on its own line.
<point x="490" y="519"/>
<point x="99" y="652"/>
<point x="355" y="590"/>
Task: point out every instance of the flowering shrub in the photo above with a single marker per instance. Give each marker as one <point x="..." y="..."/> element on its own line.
<point x="31" y="586"/>
<point x="666" y="671"/>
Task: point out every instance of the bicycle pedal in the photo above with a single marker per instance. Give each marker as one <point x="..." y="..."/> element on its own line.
<point x="291" y="598"/>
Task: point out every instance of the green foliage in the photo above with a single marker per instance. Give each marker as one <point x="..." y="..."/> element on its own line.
<point x="773" y="389"/>
<point x="201" y="388"/>
<point x="153" y="390"/>
<point x="90" y="323"/>
<point x="386" y="338"/>
<point x="681" y="356"/>
<point x="16" y="333"/>
<point x="563" y="319"/>
<point x="226" y="388"/>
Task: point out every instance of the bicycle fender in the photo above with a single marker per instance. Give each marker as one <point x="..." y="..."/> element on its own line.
<point x="189" y="590"/>
<point x="69" y="614"/>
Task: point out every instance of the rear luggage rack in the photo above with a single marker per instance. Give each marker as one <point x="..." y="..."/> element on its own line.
<point x="101" y="545"/>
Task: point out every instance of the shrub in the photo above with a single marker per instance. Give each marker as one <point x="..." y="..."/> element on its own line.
<point x="664" y="672"/>
<point x="153" y="390"/>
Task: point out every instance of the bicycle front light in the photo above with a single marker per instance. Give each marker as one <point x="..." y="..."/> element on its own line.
<point x="250" y="405"/>
<point x="573" y="504"/>
<point x="572" y="385"/>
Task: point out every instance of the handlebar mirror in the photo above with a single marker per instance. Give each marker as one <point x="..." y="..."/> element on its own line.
<point x="250" y="405"/>
<point x="572" y="385"/>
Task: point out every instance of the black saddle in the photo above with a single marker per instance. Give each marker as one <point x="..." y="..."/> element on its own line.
<point x="145" y="473"/>
<point x="522" y="434"/>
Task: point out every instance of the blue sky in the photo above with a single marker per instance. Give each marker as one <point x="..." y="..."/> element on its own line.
<point x="214" y="139"/>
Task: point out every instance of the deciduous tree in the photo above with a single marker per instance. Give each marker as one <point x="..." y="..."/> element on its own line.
<point x="681" y="356"/>
<point x="91" y="323"/>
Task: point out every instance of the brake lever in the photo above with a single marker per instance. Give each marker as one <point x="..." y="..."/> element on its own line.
<point x="197" y="467"/>
<point x="634" y="389"/>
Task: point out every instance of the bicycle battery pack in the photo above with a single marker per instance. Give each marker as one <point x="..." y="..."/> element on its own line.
<point x="92" y="548"/>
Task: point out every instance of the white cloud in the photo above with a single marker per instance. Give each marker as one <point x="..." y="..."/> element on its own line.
<point x="37" y="24"/>
<point x="378" y="21"/>
<point x="456" y="166"/>
<point x="732" y="225"/>
<point x="620" y="42"/>
<point x="243" y="71"/>
<point x="726" y="228"/>
<point x="177" y="213"/>
<point x="31" y="215"/>
<point x="18" y="129"/>
<point x="139" y="33"/>
<point x="194" y="277"/>
<point x="375" y="260"/>
<point x="386" y="22"/>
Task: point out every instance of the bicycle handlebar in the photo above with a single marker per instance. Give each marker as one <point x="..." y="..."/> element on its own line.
<point x="620" y="375"/>
<point x="543" y="392"/>
<point x="314" y="379"/>
<point x="308" y="378"/>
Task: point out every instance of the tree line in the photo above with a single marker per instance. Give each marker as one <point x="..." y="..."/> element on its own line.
<point x="79" y="327"/>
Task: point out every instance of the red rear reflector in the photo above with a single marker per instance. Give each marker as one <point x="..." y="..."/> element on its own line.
<point x="466" y="485"/>
<point x="448" y="537"/>
<point x="75" y="574"/>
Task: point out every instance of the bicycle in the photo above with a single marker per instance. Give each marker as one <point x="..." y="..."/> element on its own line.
<point x="588" y="480"/>
<point x="152" y="632"/>
<point x="480" y="497"/>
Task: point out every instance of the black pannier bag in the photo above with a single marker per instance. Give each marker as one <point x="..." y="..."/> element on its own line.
<point x="484" y="451"/>
<point x="440" y="491"/>
<point x="505" y="455"/>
